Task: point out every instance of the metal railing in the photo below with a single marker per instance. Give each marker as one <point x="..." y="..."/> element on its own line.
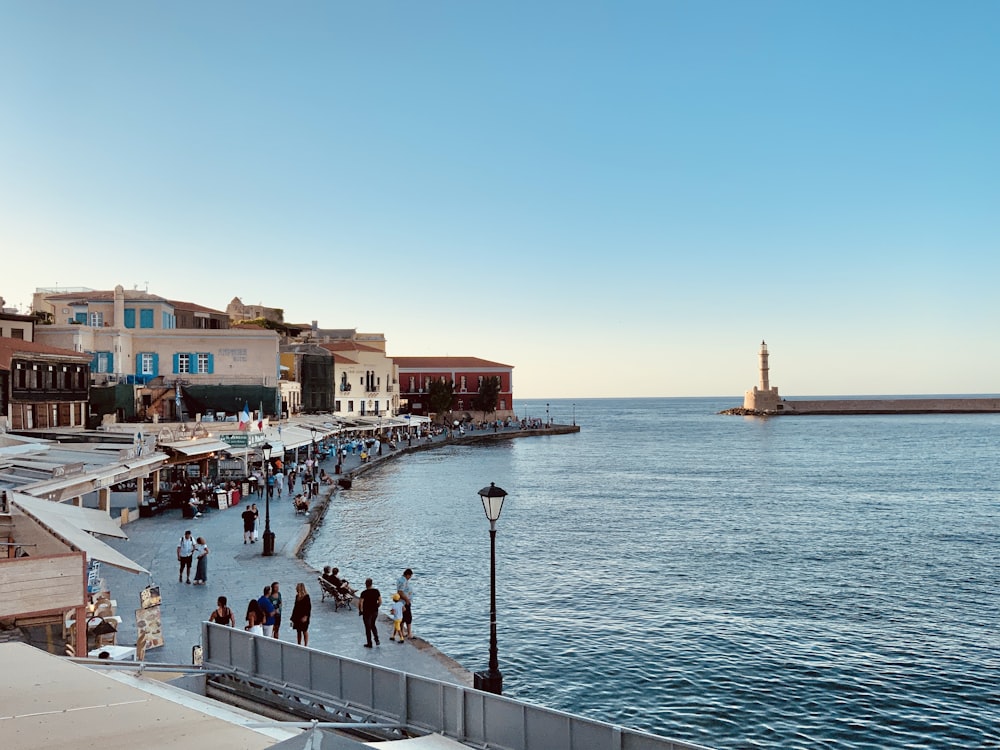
<point x="422" y="704"/>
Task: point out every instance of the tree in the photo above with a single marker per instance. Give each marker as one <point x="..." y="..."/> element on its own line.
<point x="489" y="393"/>
<point x="439" y="396"/>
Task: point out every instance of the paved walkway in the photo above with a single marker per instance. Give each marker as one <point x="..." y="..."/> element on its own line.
<point x="239" y="572"/>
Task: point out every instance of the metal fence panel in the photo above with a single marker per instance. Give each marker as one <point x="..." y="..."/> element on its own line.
<point x="421" y="703"/>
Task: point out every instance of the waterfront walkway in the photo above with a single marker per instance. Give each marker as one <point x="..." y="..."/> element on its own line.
<point x="239" y="572"/>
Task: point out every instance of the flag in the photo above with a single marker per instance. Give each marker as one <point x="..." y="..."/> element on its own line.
<point x="245" y="417"/>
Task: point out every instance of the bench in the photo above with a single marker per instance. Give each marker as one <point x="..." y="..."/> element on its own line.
<point x="340" y="598"/>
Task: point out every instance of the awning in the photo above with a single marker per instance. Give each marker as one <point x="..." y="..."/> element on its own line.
<point x="87" y="519"/>
<point x="196" y="447"/>
<point x="68" y="522"/>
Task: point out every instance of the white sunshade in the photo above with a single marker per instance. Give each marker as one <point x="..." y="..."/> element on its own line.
<point x="197" y="447"/>
<point x="70" y="522"/>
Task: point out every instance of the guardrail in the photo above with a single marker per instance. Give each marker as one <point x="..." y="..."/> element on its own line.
<point x="421" y="703"/>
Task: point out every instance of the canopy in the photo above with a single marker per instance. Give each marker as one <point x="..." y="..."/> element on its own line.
<point x="196" y="447"/>
<point x="69" y="523"/>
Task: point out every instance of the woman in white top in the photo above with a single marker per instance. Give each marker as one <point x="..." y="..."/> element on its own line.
<point x="201" y="558"/>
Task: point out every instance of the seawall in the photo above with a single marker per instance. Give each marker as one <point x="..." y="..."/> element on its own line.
<point x="877" y="406"/>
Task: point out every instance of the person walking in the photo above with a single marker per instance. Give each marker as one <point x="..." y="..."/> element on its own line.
<point x="256" y="522"/>
<point x="222" y="614"/>
<point x="185" y="551"/>
<point x="301" y="612"/>
<point x="279" y="482"/>
<point x="249" y="520"/>
<point x="368" y="604"/>
<point x="396" y="610"/>
<point x="276" y="601"/>
<point x="201" y="564"/>
<point x="405" y="591"/>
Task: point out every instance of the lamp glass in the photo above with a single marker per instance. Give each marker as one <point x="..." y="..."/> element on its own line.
<point x="265" y="450"/>
<point x="492" y="498"/>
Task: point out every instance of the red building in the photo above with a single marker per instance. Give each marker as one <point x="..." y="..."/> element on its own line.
<point x="42" y="386"/>
<point x="417" y="373"/>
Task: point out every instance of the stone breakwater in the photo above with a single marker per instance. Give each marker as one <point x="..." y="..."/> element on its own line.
<point x="876" y="406"/>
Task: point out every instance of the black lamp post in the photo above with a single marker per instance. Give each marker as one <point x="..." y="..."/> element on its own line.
<point x="491" y="681"/>
<point x="268" y="550"/>
<point x="313" y="431"/>
<point x="574" y="415"/>
<point x="548" y="421"/>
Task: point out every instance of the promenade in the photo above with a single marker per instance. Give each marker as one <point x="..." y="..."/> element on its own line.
<point x="239" y="572"/>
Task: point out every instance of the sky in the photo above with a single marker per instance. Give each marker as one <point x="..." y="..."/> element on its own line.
<point x="616" y="198"/>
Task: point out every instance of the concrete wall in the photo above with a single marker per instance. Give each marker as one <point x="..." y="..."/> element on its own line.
<point x="892" y="406"/>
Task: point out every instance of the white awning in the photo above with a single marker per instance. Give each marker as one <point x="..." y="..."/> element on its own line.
<point x="68" y="522"/>
<point x="196" y="447"/>
<point x="88" y="519"/>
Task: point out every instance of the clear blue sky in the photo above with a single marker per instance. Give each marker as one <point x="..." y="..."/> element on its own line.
<point x="617" y="198"/>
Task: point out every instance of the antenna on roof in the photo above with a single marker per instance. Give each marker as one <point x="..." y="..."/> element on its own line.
<point x="147" y="285"/>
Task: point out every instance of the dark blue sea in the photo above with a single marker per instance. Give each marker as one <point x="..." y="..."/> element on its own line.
<point x="796" y="582"/>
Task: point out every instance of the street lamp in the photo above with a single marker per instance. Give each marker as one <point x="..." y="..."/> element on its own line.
<point x="547" y="420"/>
<point x="313" y="431"/>
<point x="574" y="415"/>
<point x="268" y="550"/>
<point x="491" y="681"/>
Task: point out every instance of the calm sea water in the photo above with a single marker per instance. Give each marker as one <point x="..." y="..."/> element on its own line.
<point x="797" y="582"/>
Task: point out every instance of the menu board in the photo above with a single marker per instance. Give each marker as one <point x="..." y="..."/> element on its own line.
<point x="149" y="628"/>
<point x="149" y="597"/>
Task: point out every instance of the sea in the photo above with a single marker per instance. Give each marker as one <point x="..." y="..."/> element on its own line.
<point x="737" y="582"/>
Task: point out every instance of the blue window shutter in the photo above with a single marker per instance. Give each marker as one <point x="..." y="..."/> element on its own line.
<point x="94" y="362"/>
<point x="129" y="318"/>
<point x="146" y="318"/>
<point x="211" y="363"/>
<point x="138" y="363"/>
<point x="109" y="358"/>
<point x="177" y="366"/>
<point x="156" y="364"/>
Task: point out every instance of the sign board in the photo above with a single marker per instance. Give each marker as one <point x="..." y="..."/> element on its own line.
<point x="236" y="441"/>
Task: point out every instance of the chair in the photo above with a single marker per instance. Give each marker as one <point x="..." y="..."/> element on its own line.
<point x="340" y="598"/>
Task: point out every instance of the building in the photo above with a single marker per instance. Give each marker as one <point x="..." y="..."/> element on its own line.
<point x="162" y="359"/>
<point x="42" y="386"/>
<point x="366" y="381"/>
<point x="312" y="367"/>
<point x="465" y="373"/>
<point x="14" y="326"/>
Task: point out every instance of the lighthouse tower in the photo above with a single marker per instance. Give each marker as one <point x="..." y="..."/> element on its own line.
<point x="763" y="397"/>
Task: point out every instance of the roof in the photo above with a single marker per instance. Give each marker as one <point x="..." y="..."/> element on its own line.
<point x="50" y="702"/>
<point x="193" y="306"/>
<point x="350" y="346"/>
<point x="445" y="363"/>
<point x="105" y="295"/>
<point x="9" y="348"/>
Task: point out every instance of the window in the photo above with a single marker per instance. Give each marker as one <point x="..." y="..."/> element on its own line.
<point x="201" y="363"/>
<point x="80" y="317"/>
<point x="464" y="386"/>
<point x="102" y="362"/>
<point x="412" y="384"/>
<point x="147" y="363"/>
<point x="97" y="320"/>
<point x="503" y="404"/>
<point x="130" y="318"/>
<point x="17" y="333"/>
<point x="350" y="406"/>
<point x="146" y="318"/>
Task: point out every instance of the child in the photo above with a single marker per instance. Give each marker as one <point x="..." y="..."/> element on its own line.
<point x="397" y="618"/>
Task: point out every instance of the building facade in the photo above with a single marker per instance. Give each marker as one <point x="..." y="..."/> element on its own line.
<point x="42" y="386"/>
<point x="466" y="373"/>
<point x="136" y="346"/>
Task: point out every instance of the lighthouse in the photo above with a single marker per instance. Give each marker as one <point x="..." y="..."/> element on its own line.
<point x="763" y="397"/>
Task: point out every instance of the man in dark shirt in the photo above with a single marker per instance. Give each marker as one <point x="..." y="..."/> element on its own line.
<point x="368" y="604"/>
<point x="249" y="519"/>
